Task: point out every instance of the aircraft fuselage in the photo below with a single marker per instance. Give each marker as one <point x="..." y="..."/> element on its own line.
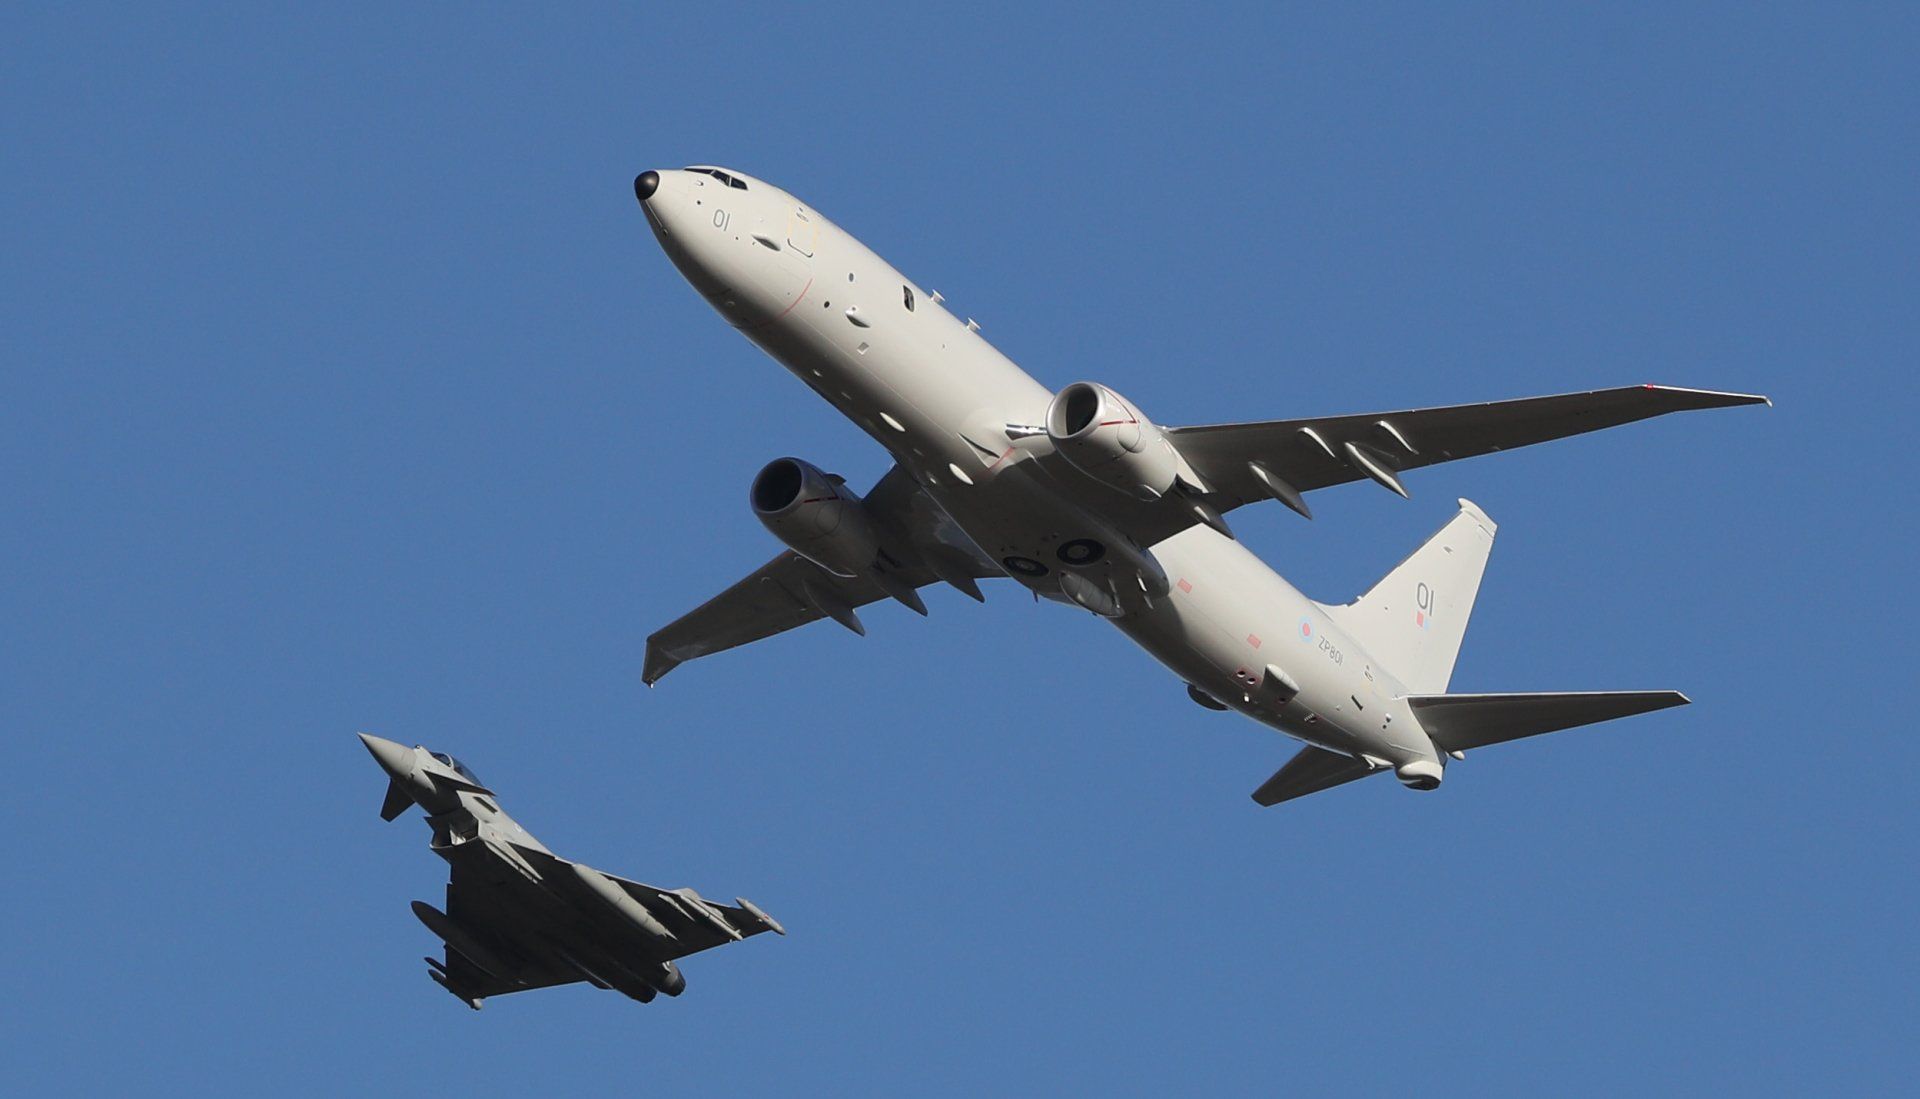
<point x="938" y="397"/>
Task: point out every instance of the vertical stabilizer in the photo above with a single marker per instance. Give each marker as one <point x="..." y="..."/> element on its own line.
<point x="1413" y="620"/>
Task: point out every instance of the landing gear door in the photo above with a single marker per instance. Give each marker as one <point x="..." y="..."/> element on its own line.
<point x="802" y="232"/>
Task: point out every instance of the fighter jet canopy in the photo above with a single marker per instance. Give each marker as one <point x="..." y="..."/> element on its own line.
<point x="464" y="771"/>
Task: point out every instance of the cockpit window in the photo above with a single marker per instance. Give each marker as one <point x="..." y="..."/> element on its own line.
<point x="459" y="767"/>
<point x="907" y="293"/>
<point x="736" y="184"/>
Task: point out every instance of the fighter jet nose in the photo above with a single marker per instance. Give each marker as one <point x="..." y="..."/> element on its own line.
<point x="395" y="759"/>
<point x="645" y="184"/>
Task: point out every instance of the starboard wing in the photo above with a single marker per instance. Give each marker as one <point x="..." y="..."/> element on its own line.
<point x="791" y="591"/>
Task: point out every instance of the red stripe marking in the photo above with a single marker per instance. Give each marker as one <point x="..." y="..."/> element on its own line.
<point x="783" y="312"/>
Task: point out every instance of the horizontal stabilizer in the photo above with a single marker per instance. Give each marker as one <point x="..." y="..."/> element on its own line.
<point x="1310" y="771"/>
<point x="1459" y="723"/>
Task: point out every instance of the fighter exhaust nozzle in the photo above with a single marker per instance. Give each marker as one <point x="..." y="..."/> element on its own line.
<point x="668" y="979"/>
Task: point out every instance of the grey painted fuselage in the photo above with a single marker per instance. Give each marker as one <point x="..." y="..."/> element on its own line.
<point x="939" y="398"/>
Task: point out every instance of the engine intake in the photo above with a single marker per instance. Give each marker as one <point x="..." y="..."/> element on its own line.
<point x="1421" y="774"/>
<point x="815" y="515"/>
<point x="1105" y="437"/>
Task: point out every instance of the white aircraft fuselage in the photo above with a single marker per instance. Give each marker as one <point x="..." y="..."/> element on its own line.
<point x="937" y="396"/>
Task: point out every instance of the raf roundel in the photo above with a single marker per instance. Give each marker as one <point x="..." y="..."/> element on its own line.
<point x="1306" y="630"/>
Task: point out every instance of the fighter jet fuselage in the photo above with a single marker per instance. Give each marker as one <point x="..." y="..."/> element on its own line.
<point x="519" y="917"/>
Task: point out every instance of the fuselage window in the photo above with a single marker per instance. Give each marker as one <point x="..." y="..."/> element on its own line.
<point x="907" y="293"/>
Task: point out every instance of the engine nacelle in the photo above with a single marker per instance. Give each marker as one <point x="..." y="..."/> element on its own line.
<point x="1106" y="438"/>
<point x="1421" y="774"/>
<point x="816" y="515"/>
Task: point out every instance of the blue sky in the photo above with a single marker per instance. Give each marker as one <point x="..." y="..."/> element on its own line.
<point x="345" y="389"/>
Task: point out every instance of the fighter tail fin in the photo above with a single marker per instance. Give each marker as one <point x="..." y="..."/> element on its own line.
<point x="1413" y="620"/>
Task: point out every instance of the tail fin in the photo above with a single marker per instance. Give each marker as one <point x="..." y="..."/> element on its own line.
<point x="1413" y="620"/>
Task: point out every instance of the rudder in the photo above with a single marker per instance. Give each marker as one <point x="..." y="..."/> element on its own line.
<point x="1414" y="619"/>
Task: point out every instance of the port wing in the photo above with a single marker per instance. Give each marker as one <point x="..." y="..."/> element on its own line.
<point x="791" y="591"/>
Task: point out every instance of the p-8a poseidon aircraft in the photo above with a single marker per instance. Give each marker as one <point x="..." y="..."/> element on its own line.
<point x="1084" y="500"/>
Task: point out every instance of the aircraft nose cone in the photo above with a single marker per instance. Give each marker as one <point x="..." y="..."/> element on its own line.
<point x="395" y="759"/>
<point x="645" y="184"/>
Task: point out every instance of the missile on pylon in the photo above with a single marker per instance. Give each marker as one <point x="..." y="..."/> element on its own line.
<point x="462" y="943"/>
<point x="617" y="899"/>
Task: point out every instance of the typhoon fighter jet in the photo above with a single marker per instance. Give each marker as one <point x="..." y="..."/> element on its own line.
<point x="1082" y="499"/>
<point x="519" y="917"/>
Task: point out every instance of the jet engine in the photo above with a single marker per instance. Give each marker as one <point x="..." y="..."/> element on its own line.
<point x="1421" y="774"/>
<point x="1106" y="438"/>
<point x="816" y="515"/>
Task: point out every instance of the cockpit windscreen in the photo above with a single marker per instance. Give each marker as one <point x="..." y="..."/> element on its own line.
<point x="731" y="181"/>
<point x="462" y="769"/>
